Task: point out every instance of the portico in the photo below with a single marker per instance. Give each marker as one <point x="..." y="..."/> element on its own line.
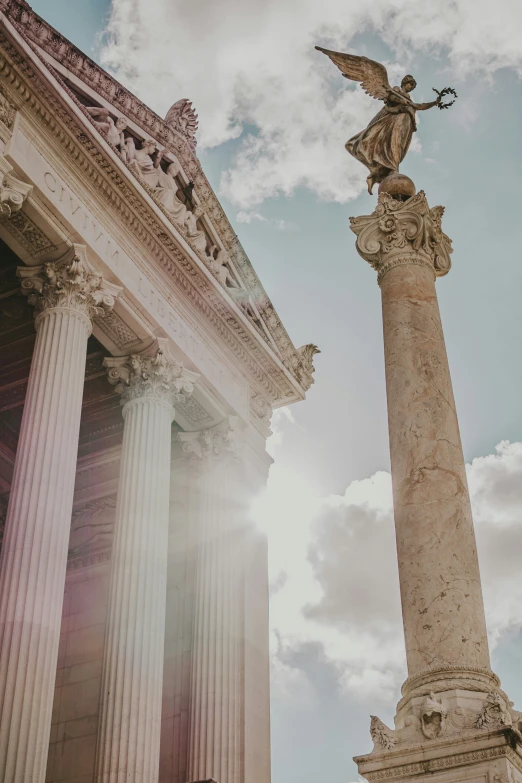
<point x="141" y="361"/>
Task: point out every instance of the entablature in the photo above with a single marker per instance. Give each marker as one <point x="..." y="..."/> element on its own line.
<point x="52" y="125"/>
<point x="71" y="68"/>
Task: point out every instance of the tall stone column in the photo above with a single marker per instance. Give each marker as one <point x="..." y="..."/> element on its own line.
<point x="66" y="295"/>
<point x="229" y="714"/>
<point x="451" y="698"/>
<point x="216" y="728"/>
<point x="130" y="717"/>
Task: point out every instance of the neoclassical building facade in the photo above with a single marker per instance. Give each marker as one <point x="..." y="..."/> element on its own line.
<point x="141" y="360"/>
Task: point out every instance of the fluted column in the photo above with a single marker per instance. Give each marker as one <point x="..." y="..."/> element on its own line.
<point x="130" y="719"/>
<point x="66" y="295"/>
<point x="216" y="730"/>
<point x="441" y="594"/>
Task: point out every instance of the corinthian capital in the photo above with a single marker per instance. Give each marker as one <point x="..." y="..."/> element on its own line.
<point x="220" y="441"/>
<point x="69" y="284"/>
<point x="403" y="232"/>
<point x="13" y="191"/>
<point x="152" y="375"/>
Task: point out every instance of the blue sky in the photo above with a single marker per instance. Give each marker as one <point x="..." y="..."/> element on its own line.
<point x="272" y="147"/>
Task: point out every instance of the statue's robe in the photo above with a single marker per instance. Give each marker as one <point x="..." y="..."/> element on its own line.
<point x="382" y="146"/>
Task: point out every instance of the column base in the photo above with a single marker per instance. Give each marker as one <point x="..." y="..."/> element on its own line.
<point x="488" y="757"/>
<point x="456" y="734"/>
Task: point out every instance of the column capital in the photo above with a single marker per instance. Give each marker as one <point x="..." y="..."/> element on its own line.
<point x="13" y="191"/>
<point x="222" y="441"/>
<point x="403" y="232"/>
<point x="68" y="284"/>
<point x="153" y="374"/>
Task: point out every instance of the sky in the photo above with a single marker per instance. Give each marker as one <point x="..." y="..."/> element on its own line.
<point x="274" y="117"/>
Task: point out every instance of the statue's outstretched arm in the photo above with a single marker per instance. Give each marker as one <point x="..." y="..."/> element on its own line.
<point x="424" y="106"/>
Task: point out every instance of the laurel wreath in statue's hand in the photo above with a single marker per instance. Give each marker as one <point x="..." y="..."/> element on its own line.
<point x="444" y="92"/>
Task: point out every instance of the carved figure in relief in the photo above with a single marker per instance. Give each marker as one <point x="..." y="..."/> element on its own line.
<point x="433" y="717"/>
<point x="113" y="131"/>
<point x="383" y="145"/>
<point x="381" y="735"/>
<point x="142" y="163"/>
<point x="197" y="236"/>
<point x="221" y="271"/>
<point x="166" y="191"/>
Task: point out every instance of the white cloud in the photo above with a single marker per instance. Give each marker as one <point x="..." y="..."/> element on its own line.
<point x="251" y="69"/>
<point x="334" y="570"/>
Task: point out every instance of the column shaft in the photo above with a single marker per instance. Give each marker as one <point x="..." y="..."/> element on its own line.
<point x="34" y="554"/>
<point x="216" y="737"/>
<point x="129" y="734"/>
<point x="442" y="604"/>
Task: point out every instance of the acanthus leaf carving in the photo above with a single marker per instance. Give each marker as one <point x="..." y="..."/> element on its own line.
<point x="70" y="283"/>
<point x="223" y="440"/>
<point x="403" y="232"/>
<point x="181" y="117"/>
<point x="152" y="375"/>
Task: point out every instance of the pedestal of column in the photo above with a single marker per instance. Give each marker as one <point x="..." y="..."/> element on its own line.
<point x="66" y="295"/>
<point x="130" y="715"/>
<point x="453" y="715"/>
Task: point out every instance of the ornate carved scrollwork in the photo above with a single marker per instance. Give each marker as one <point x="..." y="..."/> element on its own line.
<point x="13" y="191"/>
<point x="70" y="283"/>
<point x="221" y="441"/>
<point x="403" y="232"/>
<point x="153" y="375"/>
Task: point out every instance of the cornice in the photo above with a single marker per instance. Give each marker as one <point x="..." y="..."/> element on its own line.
<point x="38" y="33"/>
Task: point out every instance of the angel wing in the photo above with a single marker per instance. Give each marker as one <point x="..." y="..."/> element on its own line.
<point x="372" y="76"/>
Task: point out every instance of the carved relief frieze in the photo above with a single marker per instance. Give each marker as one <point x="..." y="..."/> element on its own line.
<point x="117" y="330"/>
<point x="28" y="234"/>
<point x="193" y="411"/>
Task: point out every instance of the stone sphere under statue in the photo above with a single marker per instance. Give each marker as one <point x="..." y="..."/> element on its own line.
<point x="398" y="186"/>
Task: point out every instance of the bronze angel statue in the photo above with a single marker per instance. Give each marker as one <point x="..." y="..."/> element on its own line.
<point x="382" y="146"/>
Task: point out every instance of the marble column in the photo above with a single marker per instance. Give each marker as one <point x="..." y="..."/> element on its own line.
<point x="450" y="680"/>
<point x="216" y="721"/>
<point x="66" y="295"/>
<point x="130" y="716"/>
